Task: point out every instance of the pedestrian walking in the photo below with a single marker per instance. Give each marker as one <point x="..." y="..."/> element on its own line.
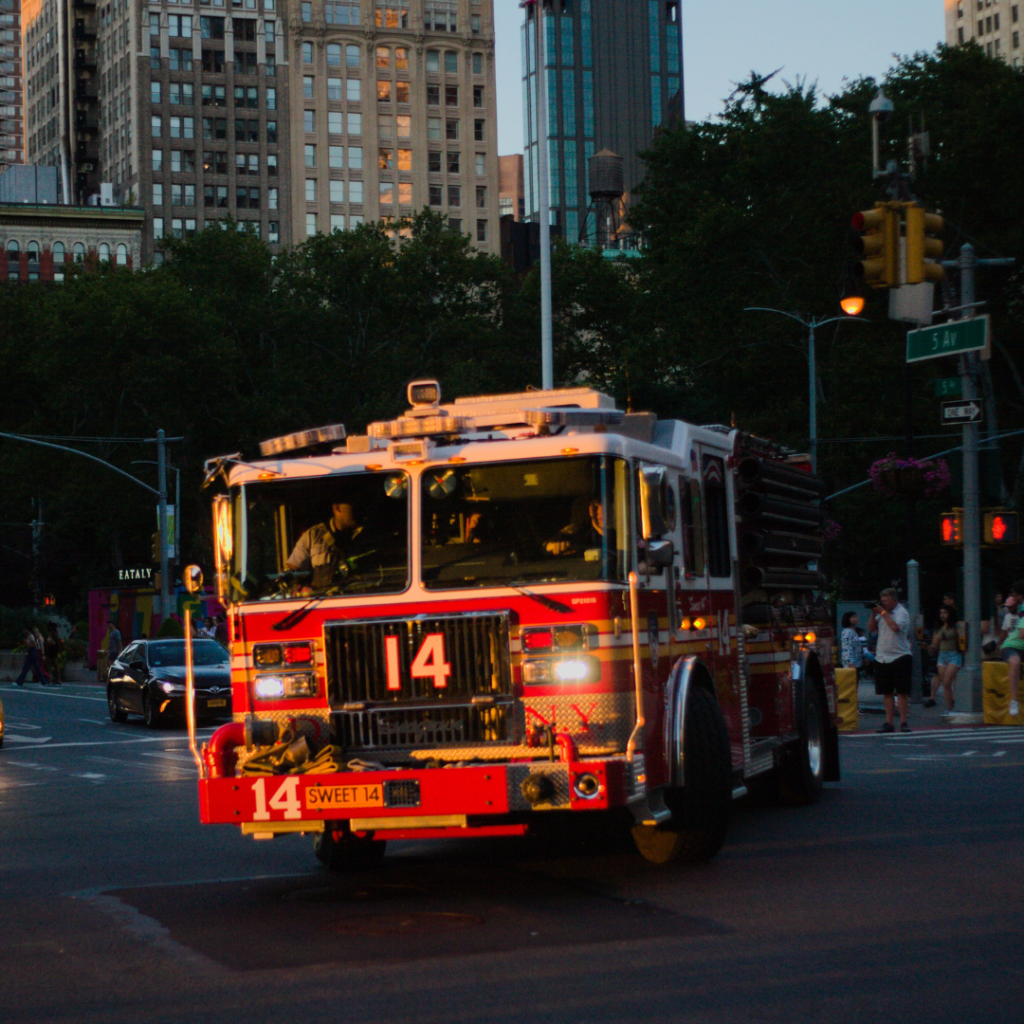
<point x="851" y="650"/>
<point x="114" y="643"/>
<point x="53" y="649"/>
<point x="945" y="645"/>
<point x="1013" y="646"/>
<point x="894" y="662"/>
<point x="31" y="663"/>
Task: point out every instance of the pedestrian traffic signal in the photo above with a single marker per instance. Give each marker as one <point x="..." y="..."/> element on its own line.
<point x="878" y="245"/>
<point x="922" y="245"/>
<point x="155" y="553"/>
<point x="1000" y="528"/>
<point x="953" y="528"/>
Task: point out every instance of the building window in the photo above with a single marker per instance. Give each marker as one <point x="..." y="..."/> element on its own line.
<point x="334" y="89"/>
<point x="383" y="90"/>
<point x="451" y="62"/>
<point x="480" y="163"/>
<point x="383" y="56"/>
<point x="433" y="62"/>
<point x="478" y="63"/>
<point x="337" y="222"/>
<point x="310" y="225"/>
<point x="405" y="159"/>
<point x="481" y="197"/>
<point x="154" y="92"/>
<point x="307" y="87"/>
<point x="453" y="162"/>
<point x="385" y="159"/>
<point x="387" y="193"/>
<point x="401" y="58"/>
<point x="307" y="53"/>
<point x="454" y="195"/>
<point x="211" y="28"/>
<point x="451" y="95"/>
<point x="154" y="58"/>
<point x="455" y="224"/>
<point x="355" y="191"/>
<point x="352" y="58"/>
<point x="271" y="198"/>
<point x="271" y="98"/>
<point x="355" y="158"/>
<point x="158" y="194"/>
<point x="451" y="129"/>
<point x="474" y="24"/>
<point x="481" y="231"/>
<point x="335" y="124"/>
<point x="309" y="121"/>
<point x="434" y="129"/>
<point x="274" y="232"/>
<point x="157" y="126"/>
<point x="478" y="131"/>
<point x="478" y="95"/>
<point x="433" y="95"/>
<point x="353" y="90"/>
<point x="213" y="61"/>
<point x="58" y="254"/>
<point x="337" y="191"/>
<point x="335" y="156"/>
<point x="341" y="13"/>
<point x="158" y="160"/>
<point x="392" y="14"/>
<point x="310" y="155"/>
<point x="272" y="164"/>
<point x="311" y="190"/>
<point x="306" y="9"/>
<point x="179" y="25"/>
<point x="436" y="195"/>
<point x="158" y="233"/>
<point x="440" y="15"/>
<point x="272" y="132"/>
<point x="355" y="123"/>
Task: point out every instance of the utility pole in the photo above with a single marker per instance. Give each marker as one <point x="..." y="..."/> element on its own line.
<point x="161" y="477"/>
<point x="37" y="540"/>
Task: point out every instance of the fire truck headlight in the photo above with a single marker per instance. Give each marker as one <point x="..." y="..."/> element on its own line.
<point x="536" y="672"/>
<point x="574" y="671"/>
<point x="273" y="687"/>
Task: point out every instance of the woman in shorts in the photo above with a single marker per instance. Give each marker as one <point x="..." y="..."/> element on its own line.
<point x="946" y="645"/>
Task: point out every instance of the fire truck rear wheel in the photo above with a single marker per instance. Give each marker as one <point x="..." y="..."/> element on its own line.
<point x="802" y="773"/>
<point x="342" y="851"/>
<point x="702" y="807"/>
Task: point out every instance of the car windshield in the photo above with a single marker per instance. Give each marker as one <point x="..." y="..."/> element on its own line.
<point x="171" y="653"/>
<point x="509" y="523"/>
<point x="341" y="534"/>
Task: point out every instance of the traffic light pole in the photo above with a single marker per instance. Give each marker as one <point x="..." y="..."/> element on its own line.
<point x="969" y="686"/>
<point x="161" y="483"/>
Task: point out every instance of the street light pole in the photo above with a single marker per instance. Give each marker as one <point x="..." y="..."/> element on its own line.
<point x="161" y="478"/>
<point x="812" y="367"/>
<point x="546" y="348"/>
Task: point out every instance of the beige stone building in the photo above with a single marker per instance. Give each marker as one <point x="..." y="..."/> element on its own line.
<point x="12" y="132"/>
<point x="393" y="108"/>
<point x="995" y="25"/>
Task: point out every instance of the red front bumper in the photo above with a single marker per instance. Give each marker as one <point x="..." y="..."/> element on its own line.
<point x="480" y="791"/>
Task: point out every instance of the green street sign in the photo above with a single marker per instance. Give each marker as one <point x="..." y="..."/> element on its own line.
<point x="948" y="387"/>
<point x="948" y="339"/>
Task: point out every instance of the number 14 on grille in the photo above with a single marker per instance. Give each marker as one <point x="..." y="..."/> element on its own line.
<point x="429" y="662"/>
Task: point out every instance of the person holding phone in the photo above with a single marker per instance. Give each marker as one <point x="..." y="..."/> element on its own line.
<point x="894" y="662"/>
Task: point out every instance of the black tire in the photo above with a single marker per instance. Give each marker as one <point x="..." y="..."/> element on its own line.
<point x="802" y="772"/>
<point x="339" y="850"/>
<point x="116" y="714"/>
<point x="702" y="808"/>
<point x="152" y="716"/>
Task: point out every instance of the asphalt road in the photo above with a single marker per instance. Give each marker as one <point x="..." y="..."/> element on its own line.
<point x="896" y="899"/>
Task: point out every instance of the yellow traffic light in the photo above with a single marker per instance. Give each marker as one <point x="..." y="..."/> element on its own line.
<point x="879" y="244"/>
<point x="1000" y="527"/>
<point x="922" y="246"/>
<point x="953" y="528"/>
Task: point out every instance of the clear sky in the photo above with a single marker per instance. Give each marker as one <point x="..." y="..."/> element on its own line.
<point x="824" y="41"/>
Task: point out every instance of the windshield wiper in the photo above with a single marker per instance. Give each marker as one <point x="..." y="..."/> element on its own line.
<point x="548" y="602"/>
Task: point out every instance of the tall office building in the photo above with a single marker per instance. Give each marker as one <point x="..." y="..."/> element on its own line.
<point x="614" y="75"/>
<point x="181" y="106"/>
<point x="994" y="25"/>
<point x="12" y="132"/>
<point x="395" y="111"/>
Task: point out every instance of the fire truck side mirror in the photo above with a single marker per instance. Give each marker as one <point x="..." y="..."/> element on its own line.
<point x="657" y="502"/>
<point x="659" y="554"/>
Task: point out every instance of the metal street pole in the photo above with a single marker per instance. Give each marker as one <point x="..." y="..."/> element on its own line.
<point x="161" y="474"/>
<point x="813" y="373"/>
<point x="914" y="610"/>
<point x="546" y="350"/>
<point x="969" y="685"/>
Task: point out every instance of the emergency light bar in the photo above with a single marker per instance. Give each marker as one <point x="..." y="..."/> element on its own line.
<point x="573" y="417"/>
<point x="419" y="426"/>
<point x="303" y="439"/>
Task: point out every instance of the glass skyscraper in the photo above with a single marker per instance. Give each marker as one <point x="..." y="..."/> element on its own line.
<point x="614" y="75"/>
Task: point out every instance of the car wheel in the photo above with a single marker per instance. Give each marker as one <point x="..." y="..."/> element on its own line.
<point x="149" y="712"/>
<point x="116" y="714"/>
<point x="802" y="773"/>
<point x="339" y="850"/>
<point x="702" y="807"/>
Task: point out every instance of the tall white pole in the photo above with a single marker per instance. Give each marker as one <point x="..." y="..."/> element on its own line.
<point x="546" y="351"/>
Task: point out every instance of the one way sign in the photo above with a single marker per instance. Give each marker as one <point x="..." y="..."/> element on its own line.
<point x="956" y="414"/>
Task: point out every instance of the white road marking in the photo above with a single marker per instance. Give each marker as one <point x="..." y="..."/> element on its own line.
<point x="63" y="696"/>
<point x="17" y="723"/>
<point x="13" y="737"/>
<point x="93" y="721"/>
<point x="33" y="765"/>
<point x="91" y="776"/>
<point x="104" y="743"/>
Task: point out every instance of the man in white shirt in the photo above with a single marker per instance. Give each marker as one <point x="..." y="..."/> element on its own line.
<point x="894" y="662"/>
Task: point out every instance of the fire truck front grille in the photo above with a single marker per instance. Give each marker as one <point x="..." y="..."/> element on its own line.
<point x="424" y="659"/>
<point x="440" y="725"/>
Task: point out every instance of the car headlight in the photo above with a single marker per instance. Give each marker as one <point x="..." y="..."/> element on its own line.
<point x="170" y="688"/>
<point x="297" y="684"/>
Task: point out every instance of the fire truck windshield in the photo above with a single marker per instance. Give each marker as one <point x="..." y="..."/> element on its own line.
<point x="341" y="534"/>
<point x="495" y="524"/>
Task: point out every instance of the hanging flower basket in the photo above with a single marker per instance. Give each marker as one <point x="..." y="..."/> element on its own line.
<point x="909" y="478"/>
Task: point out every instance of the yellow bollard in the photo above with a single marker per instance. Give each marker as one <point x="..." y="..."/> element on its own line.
<point x="846" y="695"/>
<point x="995" y="694"/>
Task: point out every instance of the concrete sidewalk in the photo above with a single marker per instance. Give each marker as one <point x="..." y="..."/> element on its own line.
<point x="872" y="713"/>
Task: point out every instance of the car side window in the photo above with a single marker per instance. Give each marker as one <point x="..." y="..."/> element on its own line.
<point x="129" y="654"/>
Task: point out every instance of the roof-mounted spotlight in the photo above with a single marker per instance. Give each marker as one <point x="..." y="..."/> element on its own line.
<point x="424" y="393"/>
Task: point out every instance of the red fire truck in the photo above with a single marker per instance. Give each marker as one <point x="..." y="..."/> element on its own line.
<point x="494" y="610"/>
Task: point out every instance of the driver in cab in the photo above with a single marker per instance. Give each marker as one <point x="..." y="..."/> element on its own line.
<point x="325" y="547"/>
<point x="584" y="535"/>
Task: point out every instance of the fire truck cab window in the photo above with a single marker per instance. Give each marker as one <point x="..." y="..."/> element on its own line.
<point x="501" y="524"/>
<point x="692" y="523"/>
<point x="341" y="534"/>
<point x="717" y="510"/>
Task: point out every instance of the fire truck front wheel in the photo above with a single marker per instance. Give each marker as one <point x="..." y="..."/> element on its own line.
<point x="339" y="850"/>
<point x="802" y="773"/>
<point x="702" y="807"/>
